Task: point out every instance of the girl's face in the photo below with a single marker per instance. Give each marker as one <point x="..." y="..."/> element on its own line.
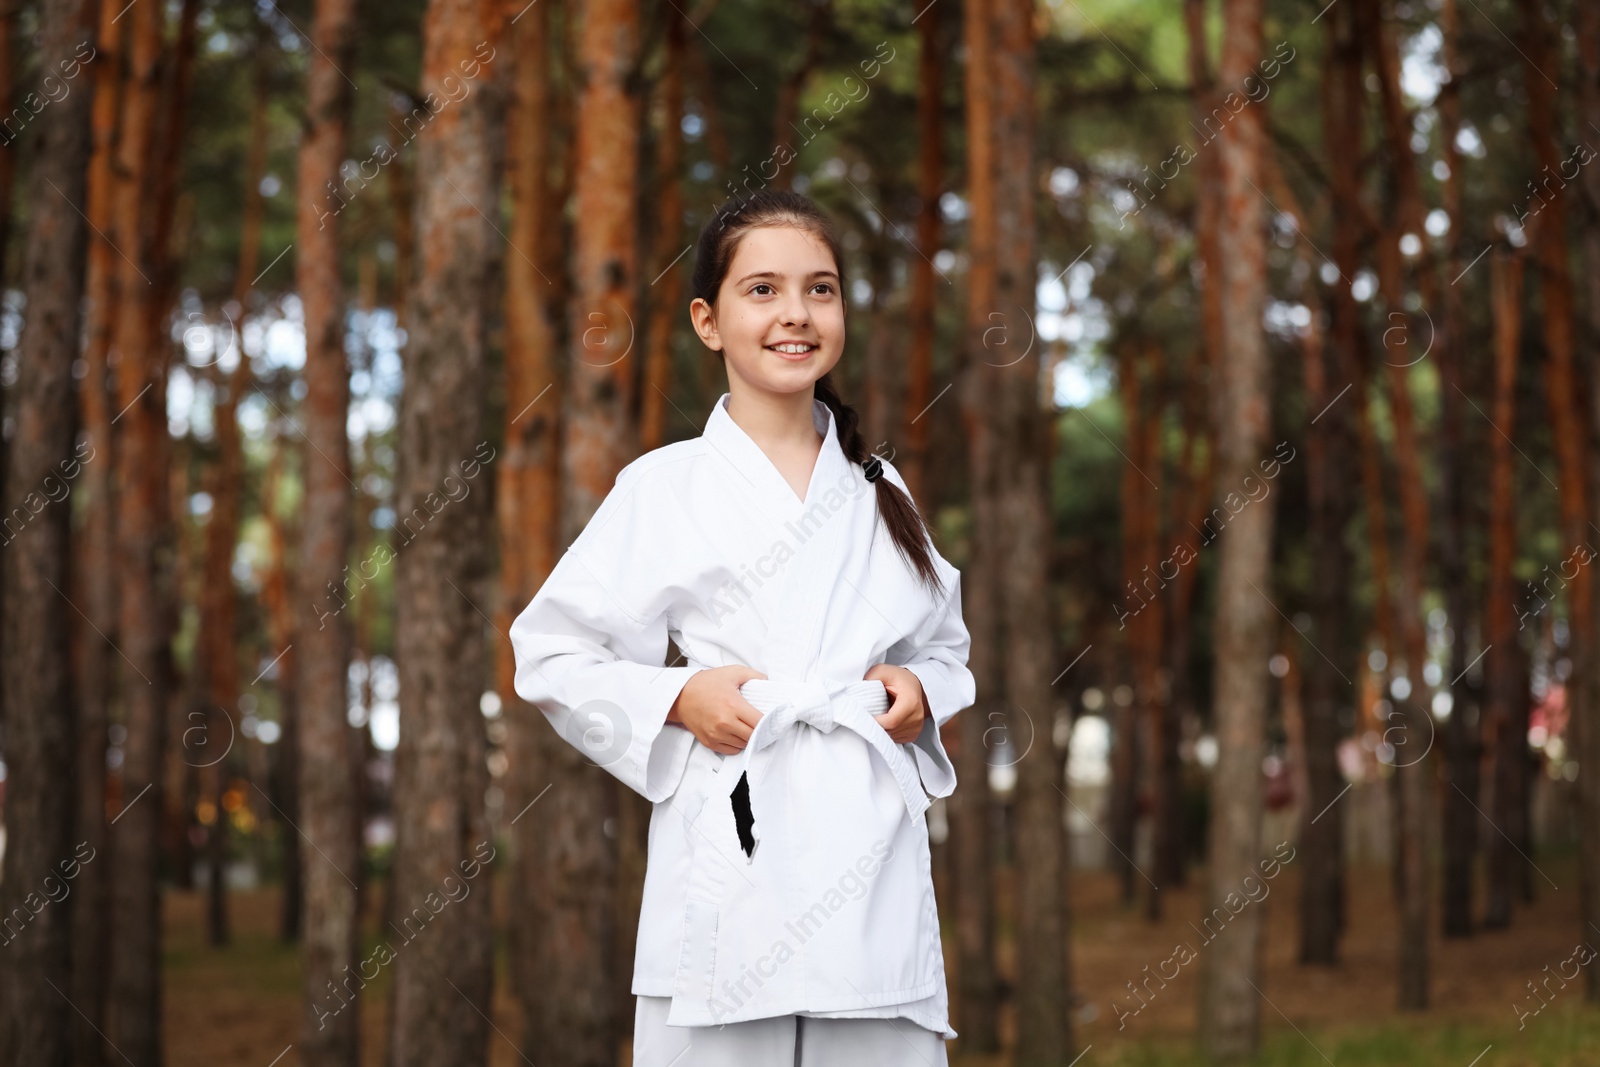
<point x="779" y="319"/>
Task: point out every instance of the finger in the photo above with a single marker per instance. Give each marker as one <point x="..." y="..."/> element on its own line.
<point x="747" y="713"/>
<point x="899" y="709"/>
<point x="741" y="726"/>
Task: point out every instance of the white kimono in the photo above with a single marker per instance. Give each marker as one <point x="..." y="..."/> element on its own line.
<point x="832" y="913"/>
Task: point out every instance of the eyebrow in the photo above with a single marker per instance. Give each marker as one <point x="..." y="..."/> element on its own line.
<point x="773" y="274"/>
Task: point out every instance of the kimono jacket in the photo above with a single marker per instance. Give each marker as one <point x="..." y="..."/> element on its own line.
<point x="829" y="910"/>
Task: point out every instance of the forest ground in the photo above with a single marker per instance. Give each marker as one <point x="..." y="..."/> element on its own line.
<point x="239" y="1005"/>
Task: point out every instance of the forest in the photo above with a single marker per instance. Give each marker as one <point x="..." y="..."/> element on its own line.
<point x="1243" y="356"/>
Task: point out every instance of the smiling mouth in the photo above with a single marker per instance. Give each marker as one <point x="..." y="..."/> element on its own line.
<point x="792" y="348"/>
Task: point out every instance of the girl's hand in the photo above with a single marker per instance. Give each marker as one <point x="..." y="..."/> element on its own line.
<point x="711" y="707"/>
<point x="908" y="706"/>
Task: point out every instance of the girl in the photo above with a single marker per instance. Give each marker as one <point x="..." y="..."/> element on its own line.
<point x="788" y="913"/>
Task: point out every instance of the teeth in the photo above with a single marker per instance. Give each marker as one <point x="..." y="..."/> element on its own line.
<point x="794" y="349"/>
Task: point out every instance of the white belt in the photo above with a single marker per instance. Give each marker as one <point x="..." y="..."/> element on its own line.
<point x="823" y="703"/>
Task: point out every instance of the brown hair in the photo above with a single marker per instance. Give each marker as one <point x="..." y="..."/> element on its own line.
<point x="719" y="239"/>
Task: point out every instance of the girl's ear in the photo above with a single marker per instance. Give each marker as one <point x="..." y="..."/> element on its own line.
<point x="704" y="318"/>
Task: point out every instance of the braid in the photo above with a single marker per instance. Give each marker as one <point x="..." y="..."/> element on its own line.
<point x="898" y="510"/>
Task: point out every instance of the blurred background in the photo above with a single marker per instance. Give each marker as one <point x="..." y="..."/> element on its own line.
<point x="1241" y="354"/>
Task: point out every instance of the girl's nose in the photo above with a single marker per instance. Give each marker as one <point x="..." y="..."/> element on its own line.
<point x="794" y="312"/>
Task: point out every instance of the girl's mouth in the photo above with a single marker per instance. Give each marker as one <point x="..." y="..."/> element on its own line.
<point x="795" y="350"/>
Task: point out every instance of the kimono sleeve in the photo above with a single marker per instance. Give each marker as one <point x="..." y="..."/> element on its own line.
<point x="937" y="655"/>
<point x="594" y="666"/>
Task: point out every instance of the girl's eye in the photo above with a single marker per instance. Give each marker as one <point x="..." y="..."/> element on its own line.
<point x="825" y="287"/>
<point x="760" y="286"/>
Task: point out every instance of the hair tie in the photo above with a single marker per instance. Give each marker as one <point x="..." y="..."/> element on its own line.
<point x="873" y="469"/>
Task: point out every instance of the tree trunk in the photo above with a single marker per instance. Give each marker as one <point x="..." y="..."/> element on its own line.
<point x="40" y="741"/>
<point x="398" y="186"/>
<point x="1462" y="746"/>
<point x="330" y="818"/>
<point x="669" y="255"/>
<point x="181" y="795"/>
<point x="95" y="560"/>
<point x="921" y="320"/>
<point x="1192" y="499"/>
<point x="8" y="160"/>
<point x="1412" y="719"/>
<point x="973" y="814"/>
<point x="1230" y="1007"/>
<point x="1569" y="436"/>
<point x="286" y="781"/>
<point x="662" y="309"/>
<point x="443" y="977"/>
<point x="579" y="958"/>
<point x="1331" y="451"/>
<point x="1588" y="100"/>
<point x="1502" y="678"/>
<point x="144" y="563"/>
<point x="784" y="129"/>
<point x="1141" y="724"/>
<point x="527" y="491"/>
<point x="216" y="658"/>
<point x="1020" y="484"/>
<point x="1129" y="753"/>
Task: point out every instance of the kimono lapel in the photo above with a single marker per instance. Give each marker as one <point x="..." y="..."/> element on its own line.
<point x="813" y="529"/>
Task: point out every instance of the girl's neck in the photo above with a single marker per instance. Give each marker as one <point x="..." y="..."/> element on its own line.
<point x="778" y="422"/>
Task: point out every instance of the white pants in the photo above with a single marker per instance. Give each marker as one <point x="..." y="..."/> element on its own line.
<point x="781" y="1041"/>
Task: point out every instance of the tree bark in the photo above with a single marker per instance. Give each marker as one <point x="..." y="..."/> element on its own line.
<point x="784" y="130"/>
<point x="1140" y="729"/>
<point x="921" y="319"/>
<point x="1569" y="435"/>
<point x="1412" y="717"/>
<point x="579" y="957"/>
<point x="1588" y="102"/>
<point x="1128" y="751"/>
<point x="1230" y="1006"/>
<point x="1331" y="451"/>
<point x="528" y="489"/>
<point x="1462" y="748"/>
<point x="8" y="78"/>
<point x="443" y="977"/>
<point x="1192" y="497"/>
<point x="36" y="674"/>
<point x="144" y="564"/>
<point x="95" y="560"/>
<point x="1502" y="681"/>
<point x="669" y="254"/>
<point x="972" y="812"/>
<point x="286" y="779"/>
<point x="1020" y="432"/>
<point x="330" y="817"/>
